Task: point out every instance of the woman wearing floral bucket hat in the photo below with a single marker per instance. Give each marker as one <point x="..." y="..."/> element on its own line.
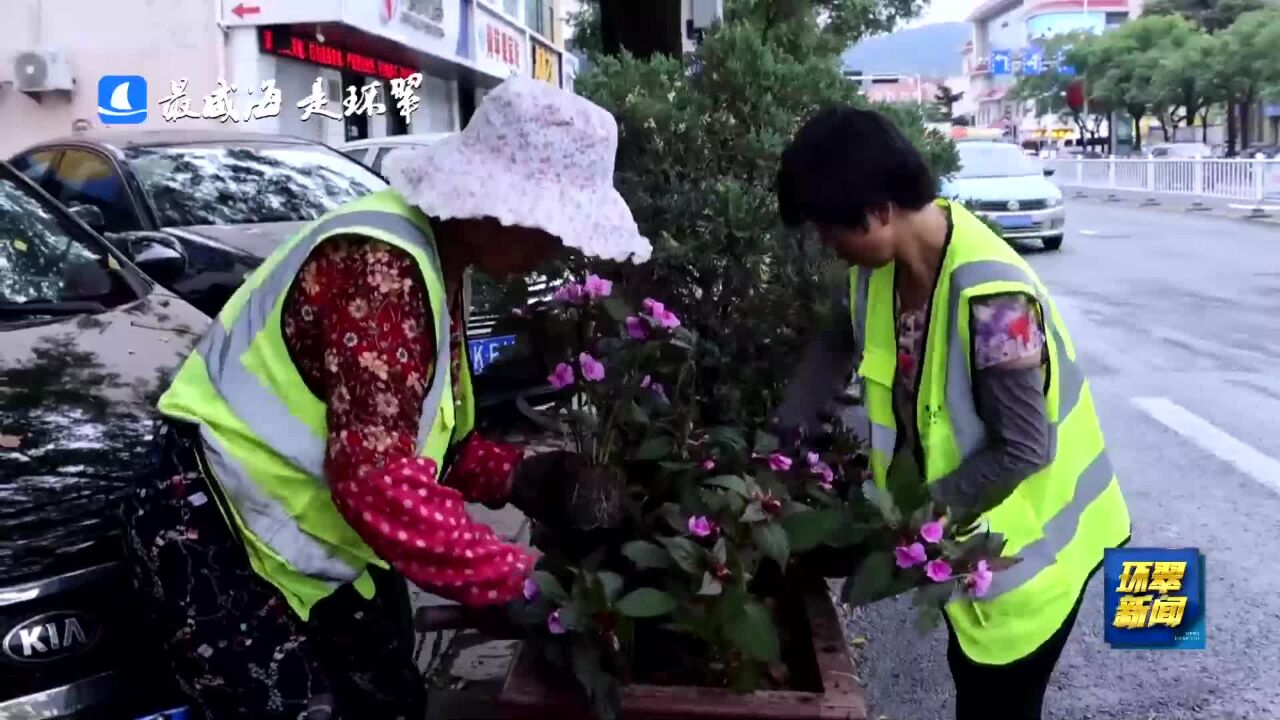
<point x="318" y="443"/>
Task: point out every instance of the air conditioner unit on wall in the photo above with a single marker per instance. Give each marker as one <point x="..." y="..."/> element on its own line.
<point x="42" y="70"/>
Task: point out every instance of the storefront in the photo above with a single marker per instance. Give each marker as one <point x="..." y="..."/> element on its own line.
<point x="336" y="63"/>
<point x="504" y="47"/>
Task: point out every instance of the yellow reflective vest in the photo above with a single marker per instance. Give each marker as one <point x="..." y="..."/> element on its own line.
<point x="1060" y="519"/>
<point x="264" y="432"/>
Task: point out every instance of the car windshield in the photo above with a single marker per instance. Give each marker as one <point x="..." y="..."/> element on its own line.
<point x="993" y="160"/>
<point x="238" y="183"/>
<point x="45" y="257"/>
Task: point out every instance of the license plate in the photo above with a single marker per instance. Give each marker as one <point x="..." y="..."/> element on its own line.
<point x="485" y="351"/>
<point x="174" y="714"/>
<point x="1015" y="221"/>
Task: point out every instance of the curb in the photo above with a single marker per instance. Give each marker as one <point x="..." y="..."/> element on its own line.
<point x="1264" y="215"/>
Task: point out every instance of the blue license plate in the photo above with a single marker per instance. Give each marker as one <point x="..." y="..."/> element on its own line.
<point x="486" y="350"/>
<point x="174" y="714"/>
<point x="1015" y="221"/>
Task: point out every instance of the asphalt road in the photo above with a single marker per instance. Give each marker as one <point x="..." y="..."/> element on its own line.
<point x="1177" y="319"/>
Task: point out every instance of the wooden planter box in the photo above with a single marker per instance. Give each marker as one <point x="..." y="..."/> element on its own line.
<point x="526" y="696"/>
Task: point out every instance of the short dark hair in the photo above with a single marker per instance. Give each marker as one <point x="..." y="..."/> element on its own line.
<point x="846" y="162"/>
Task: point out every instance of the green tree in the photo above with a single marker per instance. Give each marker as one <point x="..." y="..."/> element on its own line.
<point x="945" y="100"/>
<point x="1049" y="89"/>
<point x="1182" y="81"/>
<point x="698" y="151"/>
<point x="1243" y="67"/>
<point x="585" y="25"/>
<point x="1210" y="15"/>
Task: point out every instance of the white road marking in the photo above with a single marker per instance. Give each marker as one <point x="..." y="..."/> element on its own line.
<point x="1088" y="232"/>
<point x="1211" y="439"/>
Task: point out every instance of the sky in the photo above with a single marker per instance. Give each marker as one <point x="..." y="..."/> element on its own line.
<point x="946" y="11"/>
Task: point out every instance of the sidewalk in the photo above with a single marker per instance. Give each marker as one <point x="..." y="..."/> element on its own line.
<point x="1268" y="213"/>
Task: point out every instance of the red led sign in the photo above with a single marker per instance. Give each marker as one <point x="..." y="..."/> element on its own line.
<point x="275" y="41"/>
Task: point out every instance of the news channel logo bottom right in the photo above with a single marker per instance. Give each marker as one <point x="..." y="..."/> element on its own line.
<point x="1154" y="598"/>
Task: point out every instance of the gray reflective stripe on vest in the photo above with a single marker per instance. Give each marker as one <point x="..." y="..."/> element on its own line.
<point x="267" y="415"/>
<point x="883" y="437"/>
<point x="971" y="434"/>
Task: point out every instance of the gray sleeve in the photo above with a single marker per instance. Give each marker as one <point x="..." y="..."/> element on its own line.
<point x="823" y="372"/>
<point x="1011" y="405"/>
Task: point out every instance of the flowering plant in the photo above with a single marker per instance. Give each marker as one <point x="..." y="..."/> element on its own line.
<point x="676" y="572"/>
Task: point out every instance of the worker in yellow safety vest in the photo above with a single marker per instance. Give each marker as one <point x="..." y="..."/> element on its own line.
<point x="318" y="444"/>
<point x="967" y="369"/>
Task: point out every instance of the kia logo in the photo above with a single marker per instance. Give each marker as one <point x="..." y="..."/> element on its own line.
<point x="51" y="636"/>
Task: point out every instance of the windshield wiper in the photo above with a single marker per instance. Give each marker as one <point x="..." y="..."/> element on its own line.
<point x="52" y="307"/>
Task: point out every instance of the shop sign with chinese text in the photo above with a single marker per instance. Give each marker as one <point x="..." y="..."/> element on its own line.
<point x="501" y="46"/>
<point x="546" y="62"/>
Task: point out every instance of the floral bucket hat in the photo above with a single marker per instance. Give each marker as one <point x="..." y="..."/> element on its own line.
<point x="532" y="156"/>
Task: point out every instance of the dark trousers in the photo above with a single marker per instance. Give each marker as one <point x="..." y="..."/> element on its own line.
<point x="1006" y="692"/>
<point x="234" y="644"/>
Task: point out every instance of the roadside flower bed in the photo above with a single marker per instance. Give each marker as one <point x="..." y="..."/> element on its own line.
<point x="694" y="529"/>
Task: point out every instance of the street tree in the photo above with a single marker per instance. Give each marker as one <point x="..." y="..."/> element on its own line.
<point x="1209" y="15"/>
<point x="945" y="101"/>
<point x="1058" y="89"/>
<point x="1122" y="66"/>
<point x="1243" y="66"/>
<point x="1183" y="82"/>
<point x="699" y="140"/>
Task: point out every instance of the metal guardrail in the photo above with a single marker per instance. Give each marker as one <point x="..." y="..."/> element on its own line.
<point x="1254" y="181"/>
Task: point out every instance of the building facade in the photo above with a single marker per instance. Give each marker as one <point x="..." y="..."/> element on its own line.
<point x="320" y="69"/>
<point x="1006" y="39"/>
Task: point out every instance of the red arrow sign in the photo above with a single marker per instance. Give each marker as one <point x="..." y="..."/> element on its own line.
<point x="240" y="10"/>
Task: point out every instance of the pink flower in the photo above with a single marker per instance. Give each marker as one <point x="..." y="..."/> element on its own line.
<point x="828" y="475"/>
<point x="570" y="293"/>
<point x="592" y="369"/>
<point x="531" y="589"/>
<point x="659" y="390"/>
<point x="636" y="329"/>
<point x="708" y="464"/>
<point x="700" y="526"/>
<point x="554" y="625"/>
<point x="980" y="582"/>
<point x="779" y="462"/>
<point x="909" y="556"/>
<point x="646" y="381"/>
<point x="649" y="304"/>
<point x="937" y="570"/>
<point x="667" y="319"/>
<point x="931" y="532"/>
<point x="562" y="377"/>
<point x="597" y="287"/>
<point x="812" y="459"/>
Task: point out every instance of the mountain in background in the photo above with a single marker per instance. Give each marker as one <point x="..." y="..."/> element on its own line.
<point x="932" y="51"/>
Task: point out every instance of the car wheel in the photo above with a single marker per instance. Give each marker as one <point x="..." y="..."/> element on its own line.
<point x="1053" y="243"/>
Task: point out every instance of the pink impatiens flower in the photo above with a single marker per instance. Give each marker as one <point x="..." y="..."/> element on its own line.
<point x="592" y="369"/>
<point x="531" y="590"/>
<point x="909" y="556"/>
<point x="701" y="526"/>
<point x="597" y="287"/>
<point x="661" y="314"/>
<point x="646" y="381"/>
<point x="562" y="377"/>
<point x="570" y="293"/>
<point x="554" y="626"/>
<point x="636" y="329"/>
<point x="708" y="464"/>
<point x="659" y="390"/>
<point x="812" y="459"/>
<point x="938" y="570"/>
<point x="824" y="470"/>
<point x="980" y="582"/>
<point x="931" y="532"/>
<point x="779" y="462"/>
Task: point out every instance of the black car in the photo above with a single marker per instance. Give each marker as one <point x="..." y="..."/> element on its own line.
<point x="87" y="344"/>
<point x="217" y="203"/>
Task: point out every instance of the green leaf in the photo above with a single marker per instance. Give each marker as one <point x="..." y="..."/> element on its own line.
<point x="752" y="631"/>
<point x="612" y="583"/>
<point x="647" y="555"/>
<point x="996" y="564"/>
<point x="677" y="466"/>
<point x="753" y="513"/>
<point x="690" y="556"/>
<point x="674" y="516"/>
<point x="732" y="483"/>
<point x="934" y="594"/>
<point x="766" y="443"/>
<point x="730" y="437"/>
<point x="928" y="618"/>
<point x="593" y="561"/>
<point x="646" y="602"/>
<point x="721" y="551"/>
<point x="905" y="482"/>
<point x="849" y="533"/>
<point x="550" y="587"/>
<point x="791" y="507"/>
<point x="872" y="579"/>
<point x="617" y="308"/>
<point x="710" y="585"/>
<point x="808" y="530"/>
<point x="635" y="415"/>
<point x="882" y="501"/>
<point x="654" y="448"/>
<point x="771" y="538"/>
<point x="601" y="688"/>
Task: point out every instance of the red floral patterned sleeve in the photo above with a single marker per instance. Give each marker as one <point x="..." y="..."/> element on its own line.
<point x="357" y="325"/>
